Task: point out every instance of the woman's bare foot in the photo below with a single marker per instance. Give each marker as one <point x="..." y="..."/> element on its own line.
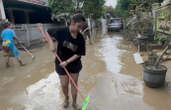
<point x="76" y="106"/>
<point x="66" y="104"/>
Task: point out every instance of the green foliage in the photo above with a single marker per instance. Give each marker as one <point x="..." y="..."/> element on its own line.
<point x="122" y="8"/>
<point x="90" y="7"/>
<point x="61" y="6"/>
<point x="111" y="10"/>
<point x="94" y="8"/>
<point x="161" y="38"/>
<point x="147" y="1"/>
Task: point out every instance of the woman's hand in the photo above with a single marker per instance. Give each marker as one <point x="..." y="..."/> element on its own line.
<point x="63" y="64"/>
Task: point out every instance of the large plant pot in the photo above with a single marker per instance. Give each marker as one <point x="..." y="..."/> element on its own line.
<point x="154" y="77"/>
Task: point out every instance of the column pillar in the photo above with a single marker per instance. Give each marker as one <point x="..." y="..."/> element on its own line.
<point x="2" y="11"/>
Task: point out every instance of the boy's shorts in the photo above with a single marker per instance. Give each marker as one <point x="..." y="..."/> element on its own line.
<point x="10" y="48"/>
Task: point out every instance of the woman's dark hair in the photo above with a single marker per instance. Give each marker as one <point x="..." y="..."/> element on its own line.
<point x="78" y="18"/>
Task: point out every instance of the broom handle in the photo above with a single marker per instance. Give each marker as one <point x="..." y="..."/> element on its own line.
<point x="25" y="48"/>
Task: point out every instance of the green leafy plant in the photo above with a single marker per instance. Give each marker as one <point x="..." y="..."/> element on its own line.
<point x="161" y="38"/>
<point x="95" y="8"/>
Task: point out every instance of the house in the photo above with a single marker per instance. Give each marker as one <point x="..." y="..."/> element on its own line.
<point x="25" y="15"/>
<point x="26" y="11"/>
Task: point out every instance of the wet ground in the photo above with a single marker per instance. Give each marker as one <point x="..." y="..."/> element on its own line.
<point x="110" y="77"/>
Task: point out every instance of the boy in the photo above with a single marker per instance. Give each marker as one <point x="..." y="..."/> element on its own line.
<point x="70" y="48"/>
<point x="8" y="37"/>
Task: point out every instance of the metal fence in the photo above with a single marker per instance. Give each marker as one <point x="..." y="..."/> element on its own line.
<point x="29" y="34"/>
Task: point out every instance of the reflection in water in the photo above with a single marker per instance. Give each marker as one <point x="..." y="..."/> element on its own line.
<point x="110" y="76"/>
<point x="113" y="57"/>
<point x="127" y="79"/>
<point x="111" y="54"/>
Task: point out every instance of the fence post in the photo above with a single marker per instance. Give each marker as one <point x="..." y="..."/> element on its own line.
<point x="27" y="35"/>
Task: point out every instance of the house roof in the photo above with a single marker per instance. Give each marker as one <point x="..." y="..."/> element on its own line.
<point x="36" y="2"/>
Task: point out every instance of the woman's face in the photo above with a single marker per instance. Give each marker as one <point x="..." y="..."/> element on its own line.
<point x="77" y="26"/>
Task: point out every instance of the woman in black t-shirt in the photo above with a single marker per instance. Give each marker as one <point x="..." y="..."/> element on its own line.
<point x="70" y="48"/>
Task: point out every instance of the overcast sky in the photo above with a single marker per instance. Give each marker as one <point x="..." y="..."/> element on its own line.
<point x="111" y="3"/>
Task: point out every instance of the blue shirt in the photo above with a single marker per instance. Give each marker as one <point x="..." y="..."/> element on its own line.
<point x="8" y="34"/>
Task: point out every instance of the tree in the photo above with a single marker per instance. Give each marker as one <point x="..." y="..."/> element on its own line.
<point x="94" y="8"/>
<point x="110" y="10"/>
<point x="61" y="10"/>
<point x="122" y="8"/>
<point x="147" y="1"/>
<point x="61" y="6"/>
<point x="89" y="7"/>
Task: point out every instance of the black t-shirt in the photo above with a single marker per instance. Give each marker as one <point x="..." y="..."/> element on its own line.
<point x="67" y="45"/>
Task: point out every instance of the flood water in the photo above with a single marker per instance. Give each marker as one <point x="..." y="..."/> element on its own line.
<point x="109" y="76"/>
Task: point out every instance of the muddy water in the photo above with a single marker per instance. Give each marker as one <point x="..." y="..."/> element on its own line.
<point x="110" y="77"/>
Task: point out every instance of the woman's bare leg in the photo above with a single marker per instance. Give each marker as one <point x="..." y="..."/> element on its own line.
<point x="74" y="91"/>
<point x="65" y="83"/>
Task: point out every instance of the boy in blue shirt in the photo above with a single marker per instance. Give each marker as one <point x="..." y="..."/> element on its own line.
<point x="8" y="37"/>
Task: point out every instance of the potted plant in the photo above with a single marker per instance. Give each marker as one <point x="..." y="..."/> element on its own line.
<point x="153" y="72"/>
